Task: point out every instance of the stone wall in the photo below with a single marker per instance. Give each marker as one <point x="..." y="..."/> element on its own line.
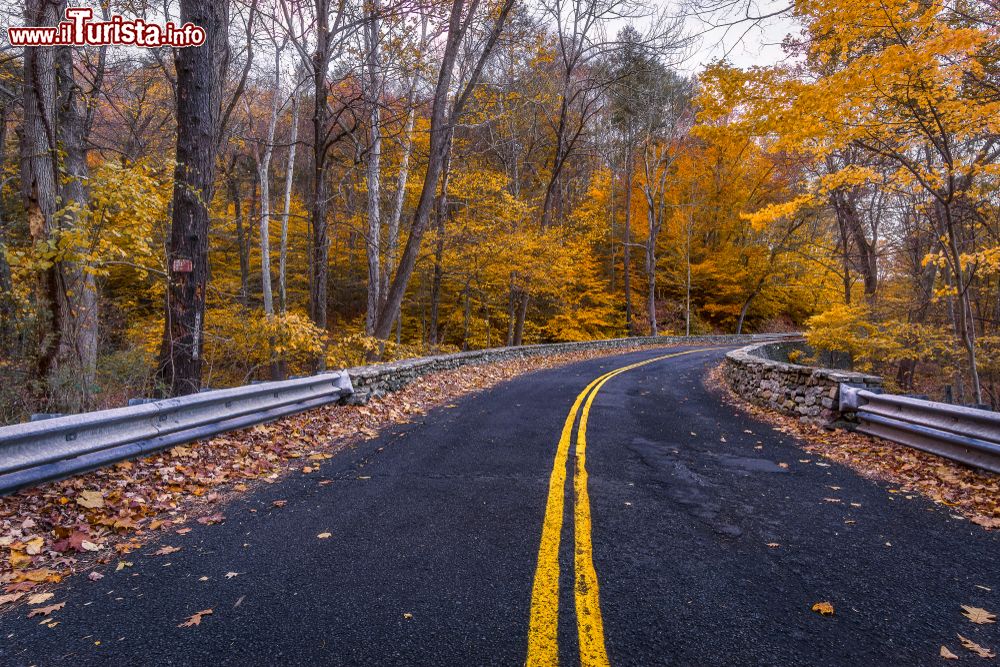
<point x="757" y="374"/>
<point x="382" y="378"/>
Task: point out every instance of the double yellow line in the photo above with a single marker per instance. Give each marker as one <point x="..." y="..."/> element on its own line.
<point x="543" y="625"/>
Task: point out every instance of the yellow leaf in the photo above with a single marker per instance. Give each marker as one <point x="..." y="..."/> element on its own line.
<point x="823" y="608"/>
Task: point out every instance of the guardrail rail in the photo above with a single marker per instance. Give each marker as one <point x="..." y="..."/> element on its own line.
<point x="967" y="435"/>
<point x="41" y="451"/>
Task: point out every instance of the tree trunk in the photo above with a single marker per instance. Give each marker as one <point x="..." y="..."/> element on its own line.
<point x="373" y="240"/>
<point x="320" y="259"/>
<point x="293" y="138"/>
<point x="77" y="288"/>
<point x="236" y="197"/>
<point x="746" y="308"/>
<point x="522" y="315"/>
<point x="399" y="198"/>
<point x="466" y="317"/>
<point x="651" y="273"/>
<point x="264" y="176"/>
<point x="441" y="214"/>
<point x="198" y="101"/>
<point x="849" y="220"/>
<point x="627" y="247"/>
<point x="38" y="184"/>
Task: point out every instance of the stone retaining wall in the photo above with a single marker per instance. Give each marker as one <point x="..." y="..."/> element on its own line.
<point x="382" y="378"/>
<point x="811" y="394"/>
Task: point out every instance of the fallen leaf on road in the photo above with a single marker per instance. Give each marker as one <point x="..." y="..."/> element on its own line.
<point x="211" y="519"/>
<point x="195" y="618"/>
<point x="33" y="547"/>
<point x="45" y="611"/>
<point x="773" y="545"/>
<point x="230" y="575"/>
<point x="977" y="615"/>
<point x="166" y="551"/>
<point x="981" y="651"/>
<point x="407" y="615"/>
<point x="823" y="608"/>
<point x="323" y="536"/>
<point x="90" y="499"/>
<point x="122" y="564"/>
<point x="12" y="597"/>
<point x="280" y="503"/>
<point x="987" y="522"/>
<point x="832" y="500"/>
<point x="95" y="576"/>
<point x="86" y="545"/>
<point x="39" y="598"/>
<point x="183" y="531"/>
<point x="783" y="465"/>
<point x="947" y="654"/>
<point x="19" y="559"/>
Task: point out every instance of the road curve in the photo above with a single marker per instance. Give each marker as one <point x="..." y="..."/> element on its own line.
<point x="482" y="535"/>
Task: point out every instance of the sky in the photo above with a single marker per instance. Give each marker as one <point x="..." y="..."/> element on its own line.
<point x="744" y="46"/>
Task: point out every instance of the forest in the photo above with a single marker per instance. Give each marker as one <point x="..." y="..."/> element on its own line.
<point x="328" y="183"/>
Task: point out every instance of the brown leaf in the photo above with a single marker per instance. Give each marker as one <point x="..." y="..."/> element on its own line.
<point x="195" y="618"/>
<point x="988" y="522"/>
<point x="323" y="536"/>
<point x="12" y="597"/>
<point x="977" y="615"/>
<point x="280" y="503"/>
<point x="166" y="551"/>
<point x="211" y="519"/>
<point x="972" y="646"/>
<point x="947" y="654"/>
<point x="45" y="611"/>
<point x="39" y="598"/>
<point x="823" y="608"/>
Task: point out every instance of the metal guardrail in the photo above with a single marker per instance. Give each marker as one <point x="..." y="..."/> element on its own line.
<point x="967" y="435"/>
<point x="42" y="451"/>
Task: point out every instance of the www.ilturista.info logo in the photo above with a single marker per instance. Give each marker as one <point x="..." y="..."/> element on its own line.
<point x="80" y="30"/>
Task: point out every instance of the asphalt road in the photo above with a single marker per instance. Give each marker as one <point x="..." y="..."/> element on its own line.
<point x="437" y="553"/>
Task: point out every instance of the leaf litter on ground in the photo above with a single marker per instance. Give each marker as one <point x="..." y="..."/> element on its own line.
<point x="974" y="494"/>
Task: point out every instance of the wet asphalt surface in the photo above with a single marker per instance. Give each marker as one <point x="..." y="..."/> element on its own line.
<point x="435" y="531"/>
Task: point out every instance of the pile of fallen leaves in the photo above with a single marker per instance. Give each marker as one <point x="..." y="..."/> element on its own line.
<point x="54" y="530"/>
<point x="972" y="493"/>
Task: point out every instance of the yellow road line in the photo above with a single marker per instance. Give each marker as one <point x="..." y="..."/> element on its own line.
<point x="543" y="625"/>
